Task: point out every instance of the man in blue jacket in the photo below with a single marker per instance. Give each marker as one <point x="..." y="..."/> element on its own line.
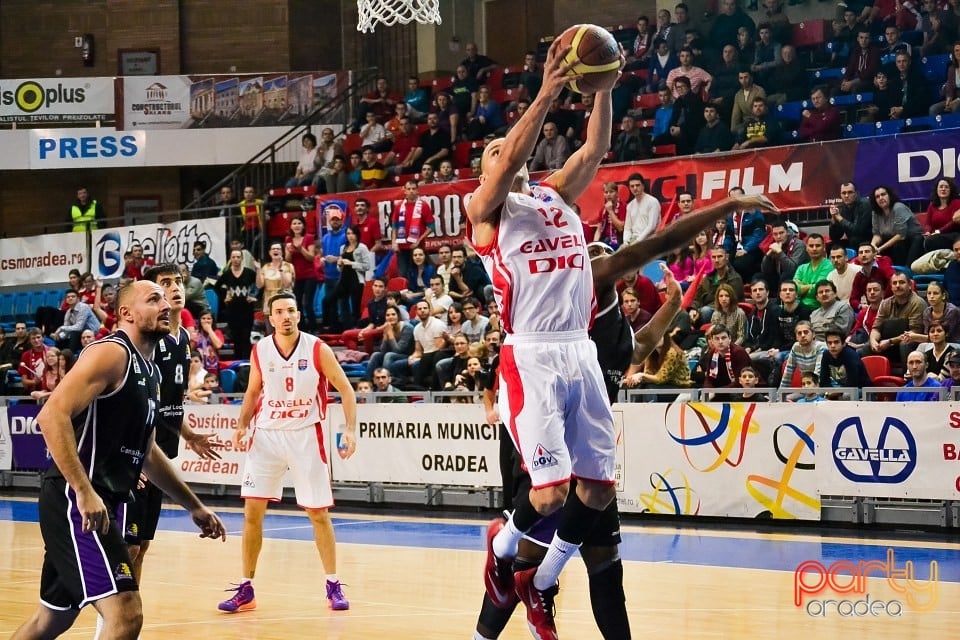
<point x="749" y="228"/>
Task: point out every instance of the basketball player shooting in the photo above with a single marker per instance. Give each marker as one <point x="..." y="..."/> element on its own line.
<point x="552" y="392"/>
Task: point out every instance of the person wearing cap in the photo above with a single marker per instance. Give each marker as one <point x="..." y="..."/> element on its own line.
<point x="953" y="366"/>
<point x="330" y="244"/>
<point x="643" y="211"/>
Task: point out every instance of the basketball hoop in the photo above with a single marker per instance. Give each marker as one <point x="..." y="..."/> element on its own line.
<point x="390" y="12"/>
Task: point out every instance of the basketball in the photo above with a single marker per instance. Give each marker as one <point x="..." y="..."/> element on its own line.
<point x="599" y="55"/>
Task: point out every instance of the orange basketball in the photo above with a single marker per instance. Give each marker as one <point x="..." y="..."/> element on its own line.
<point x="599" y="55"/>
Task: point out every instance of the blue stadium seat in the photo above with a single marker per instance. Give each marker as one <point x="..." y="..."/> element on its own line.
<point x="653" y="271"/>
<point x="889" y="127"/>
<point x="925" y="121"/>
<point x="228" y="380"/>
<point x="54" y="298"/>
<point x="21" y="307"/>
<point x="791" y="110"/>
<point x="820" y="75"/>
<point x="851" y="253"/>
<point x="935" y="68"/>
<point x="851" y="99"/>
<point x="213" y="301"/>
<point x="865" y="130"/>
<point x="37" y="299"/>
<point x="948" y="121"/>
<point x="6" y="311"/>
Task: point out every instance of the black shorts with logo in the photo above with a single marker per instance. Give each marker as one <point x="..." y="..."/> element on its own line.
<point x="142" y="515"/>
<point x="78" y="567"/>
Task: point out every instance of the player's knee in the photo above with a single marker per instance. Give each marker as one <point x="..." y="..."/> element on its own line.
<point x="597" y="495"/>
<point x="546" y="500"/>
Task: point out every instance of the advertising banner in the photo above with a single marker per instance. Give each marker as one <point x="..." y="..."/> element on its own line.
<point x="889" y="450"/>
<point x="171" y="242"/>
<point x="218" y="421"/>
<point x="740" y="460"/>
<point x="29" y="449"/>
<point x="45" y="259"/>
<point x="910" y="163"/>
<point x="421" y="444"/>
<point x="793" y="178"/>
<point x="235" y="100"/>
<point x="86" y="148"/>
<point x="56" y="99"/>
<point x="6" y="448"/>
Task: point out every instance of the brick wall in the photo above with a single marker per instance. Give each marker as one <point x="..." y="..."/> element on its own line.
<point x="37" y="36"/>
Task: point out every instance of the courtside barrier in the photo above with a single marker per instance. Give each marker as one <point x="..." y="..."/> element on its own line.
<point x="744" y="460"/>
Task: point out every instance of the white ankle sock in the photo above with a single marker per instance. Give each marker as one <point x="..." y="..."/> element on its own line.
<point x="557" y="555"/>
<point x="506" y="542"/>
<point x="332" y="577"/>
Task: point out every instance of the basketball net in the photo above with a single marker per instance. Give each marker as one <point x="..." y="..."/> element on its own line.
<point x="390" y="12"/>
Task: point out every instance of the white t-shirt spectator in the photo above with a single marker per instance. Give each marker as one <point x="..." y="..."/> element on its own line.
<point x="643" y="218"/>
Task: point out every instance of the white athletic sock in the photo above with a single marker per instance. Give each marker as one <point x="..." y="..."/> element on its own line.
<point x="506" y="543"/>
<point x="557" y="555"/>
<point x="332" y="577"/>
<point x="250" y="580"/>
<point x="99" y="630"/>
<point x="477" y="636"/>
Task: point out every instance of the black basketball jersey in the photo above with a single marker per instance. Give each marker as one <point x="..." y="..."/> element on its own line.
<point x="113" y="431"/>
<point x="613" y="335"/>
<point x="172" y="358"/>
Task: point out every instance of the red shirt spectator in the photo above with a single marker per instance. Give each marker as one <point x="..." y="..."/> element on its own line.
<point x="822" y="122"/>
<point x="943" y="206"/>
<point x="31" y="362"/>
<point x="136" y="263"/>
<point x="646" y="292"/>
<point x="303" y="266"/>
<point x="370" y="232"/>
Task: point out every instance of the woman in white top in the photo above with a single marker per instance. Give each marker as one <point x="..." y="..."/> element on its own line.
<point x="307" y="165"/>
<point x="275" y="276"/>
<point x="356" y="267"/>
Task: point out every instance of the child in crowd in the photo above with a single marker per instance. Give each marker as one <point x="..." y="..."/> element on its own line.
<point x="748" y="380"/>
<point x="809" y="380"/>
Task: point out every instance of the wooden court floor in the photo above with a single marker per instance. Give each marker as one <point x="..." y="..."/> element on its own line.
<point x="411" y="592"/>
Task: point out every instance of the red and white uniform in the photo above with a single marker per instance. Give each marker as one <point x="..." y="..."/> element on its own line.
<point x="553" y="397"/>
<point x="287" y="425"/>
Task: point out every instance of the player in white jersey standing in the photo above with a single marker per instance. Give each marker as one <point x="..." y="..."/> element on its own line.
<point x="553" y="396"/>
<point x="286" y="398"/>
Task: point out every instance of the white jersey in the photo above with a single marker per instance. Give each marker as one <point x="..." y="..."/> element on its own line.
<point x="294" y="392"/>
<point x="539" y="266"/>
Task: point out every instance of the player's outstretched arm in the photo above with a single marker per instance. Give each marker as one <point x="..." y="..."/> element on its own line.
<point x="581" y="168"/>
<point x="333" y="372"/>
<point x="513" y="151"/>
<point x="649" y="335"/>
<point x="101" y="369"/>
<point x="157" y="468"/>
<point x="608" y="269"/>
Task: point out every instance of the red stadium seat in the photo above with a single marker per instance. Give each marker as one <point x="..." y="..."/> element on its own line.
<point x="646" y="101"/>
<point x="811" y="33"/>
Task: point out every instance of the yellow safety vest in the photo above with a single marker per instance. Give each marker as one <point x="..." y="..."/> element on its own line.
<point x="84" y="219"/>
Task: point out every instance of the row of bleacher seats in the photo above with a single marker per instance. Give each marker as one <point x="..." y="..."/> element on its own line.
<point x="22" y="306"/>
